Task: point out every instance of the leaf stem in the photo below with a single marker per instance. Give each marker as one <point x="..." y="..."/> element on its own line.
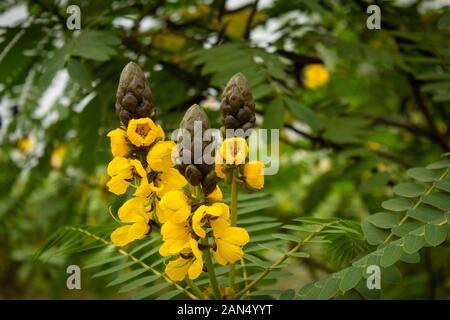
<point x="416" y="205"/>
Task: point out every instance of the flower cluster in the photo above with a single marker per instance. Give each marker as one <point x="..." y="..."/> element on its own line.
<point x="188" y="220"/>
<point x="142" y="160"/>
<point x="234" y="154"/>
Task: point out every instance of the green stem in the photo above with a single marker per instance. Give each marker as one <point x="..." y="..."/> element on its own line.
<point x="195" y="289"/>
<point x="233" y="212"/>
<point x="208" y="260"/>
<point x="211" y="272"/>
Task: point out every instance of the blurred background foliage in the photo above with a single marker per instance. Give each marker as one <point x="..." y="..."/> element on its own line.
<point x="345" y="142"/>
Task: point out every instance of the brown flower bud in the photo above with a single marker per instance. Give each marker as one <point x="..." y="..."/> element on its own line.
<point x="134" y="98"/>
<point x="196" y="172"/>
<point x="237" y="106"/>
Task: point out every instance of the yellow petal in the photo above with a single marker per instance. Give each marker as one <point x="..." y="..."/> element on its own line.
<point x="119" y="143"/>
<point x="119" y="165"/>
<point x="117" y="185"/>
<point x="177" y="269"/>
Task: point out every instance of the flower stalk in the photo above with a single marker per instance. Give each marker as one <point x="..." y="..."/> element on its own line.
<point x="233" y="218"/>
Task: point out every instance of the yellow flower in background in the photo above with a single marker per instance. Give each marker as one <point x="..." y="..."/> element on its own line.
<point x="57" y="157"/>
<point x="143" y="132"/>
<point x="254" y="175"/>
<point x="233" y="151"/>
<point x="189" y="263"/>
<point x="176" y="236"/>
<point x="122" y="170"/>
<point x="228" y="241"/>
<point x="133" y="212"/>
<point x="174" y="206"/>
<point x="218" y="210"/>
<point x="315" y="76"/>
<point x="120" y="146"/>
<point x="159" y="158"/>
<point x="27" y="145"/>
<point x="373" y="145"/>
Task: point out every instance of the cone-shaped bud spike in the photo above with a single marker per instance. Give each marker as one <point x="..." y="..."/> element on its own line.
<point x="134" y="98"/>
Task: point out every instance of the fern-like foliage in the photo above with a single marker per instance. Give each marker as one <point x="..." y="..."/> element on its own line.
<point x="139" y="267"/>
<point x="417" y="217"/>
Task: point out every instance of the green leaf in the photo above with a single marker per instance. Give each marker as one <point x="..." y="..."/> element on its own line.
<point x="438" y="200"/>
<point x="96" y="45"/>
<point x="300" y="254"/>
<point x="443" y="185"/>
<point x="409" y="190"/>
<point x="373" y="235"/>
<point x="288" y="294"/>
<point x="79" y="73"/>
<point x="125" y="277"/>
<point x="413" y="243"/>
<point x="351" y="278"/>
<point x="274" y="115"/>
<point x="113" y="269"/>
<point x="397" y="204"/>
<point x="262" y="91"/>
<point x="138" y="283"/>
<point x="385" y="220"/>
<point x="440" y="164"/>
<point x="285" y="236"/>
<point x="304" y="113"/>
<point x="405" y="228"/>
<point x="410" y="257"/>
<point x="391" y="274"/>
<point x="151" y="290"/>
<point x="263" y="226"/>
<point x="435" y="235"/>
<point x="423" y="175"/>
<point x="329" y="289"/>
<point x="391" y="254"/>
<point x="425" y="214"/>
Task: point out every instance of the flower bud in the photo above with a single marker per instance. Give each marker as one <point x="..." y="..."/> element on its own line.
<point x="196" y="172"/>
<point x="134" y="98"/>
<point x="237" y="106"/>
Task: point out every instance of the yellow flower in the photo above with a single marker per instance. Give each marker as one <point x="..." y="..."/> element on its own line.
<point x="168" y="180"/>
<point x="206" y="213"/>
<point x="216" y="195"/>
<point x="174" y="206"/>
<point x="189" y="263"/>
<point x="253" y="173"/>
<point x="176" y="236"/>
<point x="315" y="75"/>
<point x="122" y="171"/>
<point x="133" y="212"/>
<point x="159" y="158"/>
<point x="233" y="151"/>
<point x="162" y="183"/>
<point x="57" y="157"/>
<point x="143" y="132"/>
<point x="27" y="145"/>
<point x="228" y="241"/>
<point x="218" y="167"/>
<point x="120" y="146"/>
